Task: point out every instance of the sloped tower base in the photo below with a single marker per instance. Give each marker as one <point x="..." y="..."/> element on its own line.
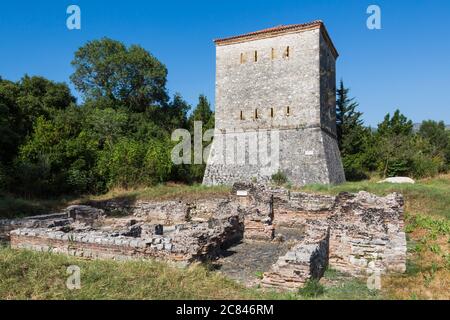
<point x="306" y="156"/>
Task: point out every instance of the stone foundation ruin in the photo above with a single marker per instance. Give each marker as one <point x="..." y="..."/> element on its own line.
<point x="358" y="234"/>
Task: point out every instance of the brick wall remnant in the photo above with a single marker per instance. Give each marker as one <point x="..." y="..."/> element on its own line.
<point x="355" y="233"/>
<point x="307" y="259"/>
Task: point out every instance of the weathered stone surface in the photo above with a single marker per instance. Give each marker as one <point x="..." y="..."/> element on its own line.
<point x="355" y="233"/>
<point x="398" y="180"/>
<point x="288" y="101"/>
<point x="307" y="259"/>
<point x="47" y="220"/>
<point x="367" y="234"/>
<point x="256" y="208"/>
<point x="163" y="212"/>
<point x="198" y="242"/>
<point x="85" y="213"/>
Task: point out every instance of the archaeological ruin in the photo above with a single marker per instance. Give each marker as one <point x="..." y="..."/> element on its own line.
<point x="289" y="236"/>
<point x="276" y="86"/>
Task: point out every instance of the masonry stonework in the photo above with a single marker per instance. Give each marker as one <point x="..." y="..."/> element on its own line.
<point x="359" y="234"/>
<point x="275" y="100"/>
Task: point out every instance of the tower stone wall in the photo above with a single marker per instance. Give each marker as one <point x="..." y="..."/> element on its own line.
<point x="275" y="108"/>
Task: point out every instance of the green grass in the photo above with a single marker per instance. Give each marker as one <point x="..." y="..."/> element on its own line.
<point x="31" y="275"/>
<point x="14" y="207"/>
<point x="164" y="192"/>
<point x="430" y="196"/>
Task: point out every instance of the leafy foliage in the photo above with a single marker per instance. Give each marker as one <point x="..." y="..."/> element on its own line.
<point x="353" y="137"/>
<point x="279" y="178"/>
<point x="393" y="149"/>
<point x="131" y="77"/>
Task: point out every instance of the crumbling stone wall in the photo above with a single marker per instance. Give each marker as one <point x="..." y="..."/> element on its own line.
<point x="296" y="209"/>
<point x="47" y="220"/>
<point x="307" y="259"/>
<point x="355" y="233"/>
<point x="364" y="232"/>
<point x="185" y="244"/>
<point x="256" y="210"/>
<point x="367" y="234"/>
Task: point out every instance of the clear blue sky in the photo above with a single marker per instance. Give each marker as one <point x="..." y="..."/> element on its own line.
<point x="405" y="65"/>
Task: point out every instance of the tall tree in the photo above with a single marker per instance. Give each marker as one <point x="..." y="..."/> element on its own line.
<point x="395" y="145"/>
<point x="203" y="113"/>
<point x="352" y="135"/>
<point x="347" y="118"/>
<point x="107" y="69"/>
<point x="436" y="134"/>
<point x="22" y="103"/>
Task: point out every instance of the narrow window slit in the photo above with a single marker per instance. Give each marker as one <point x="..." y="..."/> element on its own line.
<point x="287" y="52"/>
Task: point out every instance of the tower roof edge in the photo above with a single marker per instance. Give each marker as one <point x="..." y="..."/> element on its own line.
<point x="279" y="30"/>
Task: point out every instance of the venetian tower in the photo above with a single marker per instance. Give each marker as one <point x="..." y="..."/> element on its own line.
<point x="277" y="88"/>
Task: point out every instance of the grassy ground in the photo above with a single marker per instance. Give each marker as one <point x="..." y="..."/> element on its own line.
<point x="29" y="275"/>
<point x="13" y="207"/>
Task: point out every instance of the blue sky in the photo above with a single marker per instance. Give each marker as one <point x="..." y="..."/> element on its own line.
<point x="405" y="65"/>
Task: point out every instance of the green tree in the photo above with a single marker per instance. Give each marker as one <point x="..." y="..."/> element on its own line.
<point x="438" y="139"/>
<point x="39" y="97"/>
<point x="10" y="122"/>
<point x="203" y="114"/>
<point x="58" y="157"/>
<point x="352" y="136"/>
<point x="107" y="69"/>
<point x="21" y="104"/>
<point x="400" y="151"/>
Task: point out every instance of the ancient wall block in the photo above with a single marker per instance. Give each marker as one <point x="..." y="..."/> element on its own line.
<point x="256" y="209"/>
<point x="85" y="214"/>
<point x="163" y="212"/>
<point x="367" y="234"/>
<point x="47" y="220"/>
<point x="307" y="259"/>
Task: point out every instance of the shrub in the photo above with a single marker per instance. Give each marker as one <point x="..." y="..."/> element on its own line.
<point x="424" y="166"/>
<point x="122" y="164"/>
<point x="158" y="163"/>
<point x="312" y="289"/>
<point x="279" y="178"/>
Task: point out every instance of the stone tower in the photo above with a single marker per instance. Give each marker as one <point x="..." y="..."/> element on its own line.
<point x="276" y="99"/>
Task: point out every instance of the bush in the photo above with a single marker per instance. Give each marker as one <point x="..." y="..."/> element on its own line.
<point x="312" y="289"/>
<point x="121" y="166"/>
<point x="425" y="166"/>
<point x="279" y="178"/>
<point x="354" y="170"/>
<point x="158" y="162"/>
